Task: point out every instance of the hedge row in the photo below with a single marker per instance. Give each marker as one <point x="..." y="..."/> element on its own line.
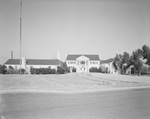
<point x="42" y="71"/>
<point x="47" y="71"/>
<point x="94" y="69"/>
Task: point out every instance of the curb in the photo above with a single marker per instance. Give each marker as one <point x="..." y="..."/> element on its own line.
<point x="72" y="92"/>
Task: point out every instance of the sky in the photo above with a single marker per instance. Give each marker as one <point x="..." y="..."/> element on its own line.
<point x="104" y="27"/>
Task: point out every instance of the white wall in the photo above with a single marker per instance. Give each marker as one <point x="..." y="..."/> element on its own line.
<point x="111" y="68"/>
<point x="27" y="68"/>
<point x="78" y="66"/>
<point x="68" y="62"/>
<point x="14" y="66"/>
<point x="91" y="64"/>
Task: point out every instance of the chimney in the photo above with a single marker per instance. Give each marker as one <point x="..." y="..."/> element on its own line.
<point x="11" y="54"/>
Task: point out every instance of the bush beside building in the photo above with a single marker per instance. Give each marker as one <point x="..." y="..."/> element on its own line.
<point x="42" y="71"/>
<point x="3" y="69"/>
<point x="95" y="69"/>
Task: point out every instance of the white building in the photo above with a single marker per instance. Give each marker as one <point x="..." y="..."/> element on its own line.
<point x="34" y="63"/>
<point x="108" y="66"/>
<point x="82" y="63"/>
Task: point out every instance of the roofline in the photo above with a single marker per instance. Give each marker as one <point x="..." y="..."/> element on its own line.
<point x="34" y="64"/>
<point x="85" y="56"/>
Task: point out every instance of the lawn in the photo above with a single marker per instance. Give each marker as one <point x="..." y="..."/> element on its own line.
<point x="70" y="82"/>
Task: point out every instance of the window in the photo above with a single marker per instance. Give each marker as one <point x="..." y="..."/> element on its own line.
<point x="82" y="62"/>
<point x="96" y="62"/>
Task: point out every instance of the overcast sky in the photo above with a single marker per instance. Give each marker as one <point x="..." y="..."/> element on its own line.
<point x="104" y="27"/>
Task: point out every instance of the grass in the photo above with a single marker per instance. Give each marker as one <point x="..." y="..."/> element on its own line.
<point x="69" y="82"/>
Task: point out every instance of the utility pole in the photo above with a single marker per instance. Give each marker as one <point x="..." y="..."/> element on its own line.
<point x="20" y="33"/>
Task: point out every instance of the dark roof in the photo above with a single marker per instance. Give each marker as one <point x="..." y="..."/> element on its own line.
<point x="91" y="57"/>
<point x="34" y="62"/>
<point x="13" y="61"/>
<point x="107" y="61"/>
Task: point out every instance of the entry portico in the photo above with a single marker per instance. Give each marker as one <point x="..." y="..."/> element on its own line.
<point x="82" y="64"/>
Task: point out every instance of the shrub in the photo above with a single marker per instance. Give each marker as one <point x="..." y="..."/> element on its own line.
<point x="33" y="70"/>
<point x="74" y="70"/>
<point x="53" y="71"/>
<point x="65" y="67"/>
<point x="60" y="70"/>
<point x="3" y="69"/>
<point x="22" y="71"/>
<point x="42" y="71"/>
<point x="48" y="71"/>
<point x="145" y="70"/>
<point x="103" y="69"/>
<point x="94" y="69"/>
<point x="38" y="71"/>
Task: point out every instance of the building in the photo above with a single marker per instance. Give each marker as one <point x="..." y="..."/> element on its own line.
<point x="27" y="64"/>
<point x="107" y="66"/>
<point x="82" y="63"/>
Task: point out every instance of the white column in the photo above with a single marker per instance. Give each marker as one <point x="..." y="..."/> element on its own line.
<point x="23" y="63"/>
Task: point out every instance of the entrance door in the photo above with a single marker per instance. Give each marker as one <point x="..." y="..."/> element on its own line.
<point x="82" y="69"/>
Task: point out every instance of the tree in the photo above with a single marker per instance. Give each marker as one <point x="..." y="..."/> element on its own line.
<point x="117" y="61"/>
<point x="125" y="58"/>
<point x="121" y="62"/>
<point x="64" y="67"/>
<point x="146" y="53"/>
<point x="60" y="70"/>
<point x="125" y="61"/>
<point x="3" y="69"/>
<point x="136" y="62"/>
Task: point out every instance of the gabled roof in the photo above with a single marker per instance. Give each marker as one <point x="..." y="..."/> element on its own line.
<point x="34" y="62"/>
<point x="42" y="62"/>
<point x="107" y="61"/>
<point x="91" y="57"/>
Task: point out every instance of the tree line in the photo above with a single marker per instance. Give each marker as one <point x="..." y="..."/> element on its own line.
<point x="138" y="61"/>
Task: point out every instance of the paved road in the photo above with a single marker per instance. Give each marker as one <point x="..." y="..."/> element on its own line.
<point x="125" y="104"/>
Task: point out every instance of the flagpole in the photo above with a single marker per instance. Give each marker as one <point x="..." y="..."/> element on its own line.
<point x="20" y="32"/>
